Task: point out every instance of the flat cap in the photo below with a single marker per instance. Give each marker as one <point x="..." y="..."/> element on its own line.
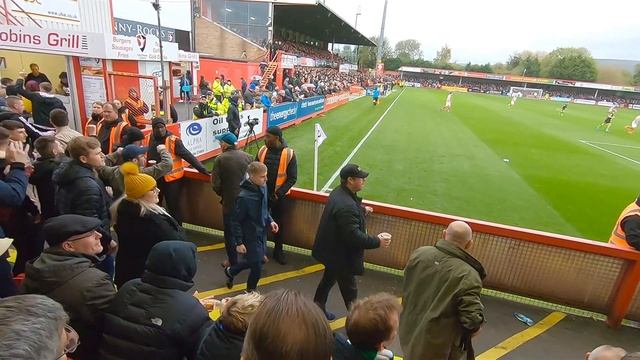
<point x="65" y="227"/>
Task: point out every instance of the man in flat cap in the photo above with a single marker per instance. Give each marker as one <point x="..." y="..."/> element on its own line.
<point x="66" y="273"/>
<point x="342" y="238"/>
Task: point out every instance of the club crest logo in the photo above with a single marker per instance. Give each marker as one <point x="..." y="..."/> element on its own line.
<point x="142" y="41"/>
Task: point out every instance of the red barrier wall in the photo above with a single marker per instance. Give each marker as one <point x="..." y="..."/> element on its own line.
<point x="122" y="84"/>
<point x="234" y="70"/>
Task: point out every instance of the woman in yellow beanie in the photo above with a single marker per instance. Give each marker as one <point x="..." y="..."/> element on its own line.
<point x="139" y="222"/>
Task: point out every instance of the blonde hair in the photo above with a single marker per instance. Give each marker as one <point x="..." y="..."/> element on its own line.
<point x="145" y="208"/>
<point x="238" y="312"/>
<point x="256" y="168"/>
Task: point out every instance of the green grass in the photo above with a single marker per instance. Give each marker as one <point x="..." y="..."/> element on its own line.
<point x="453" y="163"/>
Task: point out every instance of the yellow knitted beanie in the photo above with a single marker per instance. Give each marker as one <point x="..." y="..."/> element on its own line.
<point x="136" y="184"/>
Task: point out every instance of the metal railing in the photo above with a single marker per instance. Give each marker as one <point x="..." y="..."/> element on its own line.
<point x="565" y="270"/>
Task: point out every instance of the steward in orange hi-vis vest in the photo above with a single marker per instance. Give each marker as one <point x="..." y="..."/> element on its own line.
<point x="626" y="233"/>
<point x="170" y="185"/>
<point x="282" y="174"/>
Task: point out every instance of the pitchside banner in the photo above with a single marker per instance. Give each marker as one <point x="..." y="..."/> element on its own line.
<point x="282" y="114"/>
<point x="310" y="105"/>
<point x="199" y="135"/>
<point x="334" y="100"/>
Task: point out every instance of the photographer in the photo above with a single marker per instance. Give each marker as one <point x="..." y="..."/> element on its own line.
<point x="233" y="116"/>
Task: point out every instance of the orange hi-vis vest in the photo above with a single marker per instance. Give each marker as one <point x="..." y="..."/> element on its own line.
<point x="116" y="133"/>
<point x="285" y="159"/>
<point x="618" y="236"/>
<point x="125" y="116"/>
<point x="136" y="104"/>
<point x="177" y="171"/>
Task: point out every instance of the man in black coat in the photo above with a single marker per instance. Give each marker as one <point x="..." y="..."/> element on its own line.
<point x="66" y="273"/>
<point x="80" y="191"/>
<point x="233" y="116"/>
<point x="43" y="101"/>
<point x="157" y="317"/>
<point x="342" y="238"/>
<point x="229" y="169"/>
<point x="282" y="174"/>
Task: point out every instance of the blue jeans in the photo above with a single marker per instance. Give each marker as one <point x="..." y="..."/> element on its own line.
<point x="254" y="275"/>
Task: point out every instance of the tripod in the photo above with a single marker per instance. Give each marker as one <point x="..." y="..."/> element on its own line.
<point x="249" y="134"/>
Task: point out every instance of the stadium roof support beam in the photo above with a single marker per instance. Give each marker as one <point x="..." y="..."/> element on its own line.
<point x="318" y="22"/>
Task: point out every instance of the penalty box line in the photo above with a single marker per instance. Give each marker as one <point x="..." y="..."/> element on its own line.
<point x="355" y="150"/>
<point x="593" y="144"/>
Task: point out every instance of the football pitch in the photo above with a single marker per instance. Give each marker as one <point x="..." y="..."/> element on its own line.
<point x="526" y="166"/>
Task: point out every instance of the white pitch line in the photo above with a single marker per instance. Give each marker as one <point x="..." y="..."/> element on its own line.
<point x="346" y="161"/>
<point x="610" y="152"/>
<point x="620" y="145"/>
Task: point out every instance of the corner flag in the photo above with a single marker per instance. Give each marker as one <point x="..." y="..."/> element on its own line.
<point x="320" y="137"/>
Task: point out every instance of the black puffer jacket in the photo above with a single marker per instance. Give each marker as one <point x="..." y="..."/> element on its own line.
<point x="81" y="192"/>
<point x="137" y="235"/>
<point x="219" y="343"/>
<point x="84" y="291"/>
<point x="156" y="317"/>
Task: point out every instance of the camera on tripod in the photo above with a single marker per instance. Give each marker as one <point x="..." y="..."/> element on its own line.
<point x="252" y="122"/>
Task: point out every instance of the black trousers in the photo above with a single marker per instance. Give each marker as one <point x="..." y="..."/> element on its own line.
<point x="277" y="208"/>
<point x="170" y="192"/>
<point x="28" y="239"/>
<point x="346" y="283"/>
<point x="229" y="245"/>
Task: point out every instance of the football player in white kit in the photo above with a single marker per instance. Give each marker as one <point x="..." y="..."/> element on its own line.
<point x="447" y="103"/>
<point x="514" y="97"/>
<point x="634" y="125"/>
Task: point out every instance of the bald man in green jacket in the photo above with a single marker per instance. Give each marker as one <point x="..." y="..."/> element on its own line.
<point x="441" y="299"/>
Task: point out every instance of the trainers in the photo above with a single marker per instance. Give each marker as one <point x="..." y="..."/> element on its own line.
<point x="330" y="316"/>
<point x="229" y="282"/>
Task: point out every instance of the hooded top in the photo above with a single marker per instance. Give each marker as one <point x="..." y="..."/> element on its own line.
<point x="156" y="317"/>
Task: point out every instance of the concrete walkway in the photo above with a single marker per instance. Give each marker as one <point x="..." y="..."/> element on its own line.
<point x="554" y="336"/>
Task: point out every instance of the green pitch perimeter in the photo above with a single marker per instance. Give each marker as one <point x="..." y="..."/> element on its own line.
<point x="454" y="163"/>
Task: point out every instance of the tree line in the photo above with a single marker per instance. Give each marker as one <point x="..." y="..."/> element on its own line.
<point x="568" y="63"/>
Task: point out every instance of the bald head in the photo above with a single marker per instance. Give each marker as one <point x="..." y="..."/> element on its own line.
<point x="459" y="233"/>
<point x="606" y="352"/>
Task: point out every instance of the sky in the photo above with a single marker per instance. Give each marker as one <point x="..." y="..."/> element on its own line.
<point x="491" y="30"/>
